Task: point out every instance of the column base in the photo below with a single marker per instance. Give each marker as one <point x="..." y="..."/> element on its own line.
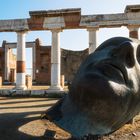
<point x="20" y="88"/>
<point x="55" y="89"/>
<point x="6" y="82"/>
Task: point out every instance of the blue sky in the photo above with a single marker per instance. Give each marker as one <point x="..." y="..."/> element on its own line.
<point x="69" y="39"/>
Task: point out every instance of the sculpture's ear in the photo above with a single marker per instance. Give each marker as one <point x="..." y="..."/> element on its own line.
<point x="138" y="54"/>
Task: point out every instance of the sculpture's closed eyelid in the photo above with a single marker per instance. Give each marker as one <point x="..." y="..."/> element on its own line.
<point x="138" y="54"/>
<point x="125" y="53"/>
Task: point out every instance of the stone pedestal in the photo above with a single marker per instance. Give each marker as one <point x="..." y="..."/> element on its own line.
<point x="63" y="81"/>
<point x="28" y="81"/>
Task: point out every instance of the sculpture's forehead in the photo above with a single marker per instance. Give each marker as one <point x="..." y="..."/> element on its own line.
<point x="109" y="47"/>
<point x="116" y="42"/>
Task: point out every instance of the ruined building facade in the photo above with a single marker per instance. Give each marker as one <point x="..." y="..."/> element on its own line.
<point x="57" y="21"/>
<point x="41" y="71"/>
<point x="10" y="63"/>
<point x="70" y="61"/>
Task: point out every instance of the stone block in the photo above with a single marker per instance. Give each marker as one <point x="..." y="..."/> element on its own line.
<point x="37" y="92"/>
<point x="62" y="81"/>
<point x="0" y="81"/>
<point x="28" y="81"/>
<point x="22" y="93"/>
<point x="6" y="92"/>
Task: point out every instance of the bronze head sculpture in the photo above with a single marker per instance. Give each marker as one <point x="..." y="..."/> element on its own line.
<point x="105" y="93"/>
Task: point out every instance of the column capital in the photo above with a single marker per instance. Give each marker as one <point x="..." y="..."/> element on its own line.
<point x="21" y="32"/>
<point x="57" y="30"/>
<point x="92" y="28"/>
<point x="133" y="27"/>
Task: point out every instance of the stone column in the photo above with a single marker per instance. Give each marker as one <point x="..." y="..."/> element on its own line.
<point x="34" y="63"/>
<point x="92" y="39"/>
<point x="55" y="62"/>
<point x="7" y="67"/>
<point x="20" y="75"/>
<point x="133" y="31"/>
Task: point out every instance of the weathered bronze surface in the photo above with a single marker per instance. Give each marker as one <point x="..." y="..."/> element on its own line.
<point x="105" y="93"/>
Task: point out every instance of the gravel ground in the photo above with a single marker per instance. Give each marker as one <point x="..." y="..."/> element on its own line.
<point x="20" y="120"/>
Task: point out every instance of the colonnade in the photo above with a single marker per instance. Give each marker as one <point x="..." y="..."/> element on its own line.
<point x="20" y="62"/>
<point x="55" y="56"/>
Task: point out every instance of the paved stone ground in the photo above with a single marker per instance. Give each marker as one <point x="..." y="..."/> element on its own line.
<point x="20" y="118"/>
<point x="34" y="87"/>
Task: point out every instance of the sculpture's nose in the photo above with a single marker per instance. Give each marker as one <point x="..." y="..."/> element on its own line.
<point x="125" y="54"/>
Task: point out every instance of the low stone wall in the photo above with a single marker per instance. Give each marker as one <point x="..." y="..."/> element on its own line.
<point x="31" y="93"/>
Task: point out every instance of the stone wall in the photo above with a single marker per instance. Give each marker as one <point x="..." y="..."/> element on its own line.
<point x="43" y="63"/>
<point x="12" y="63"/>
<point x="2" y="63"/>
<point x="70" y="62"/>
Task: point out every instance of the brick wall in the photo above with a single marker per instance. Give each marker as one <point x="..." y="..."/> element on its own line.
<point x="12" y="63"/>
<point x="70" y="61"/>
<point x="2" y="63"/>
<point x="43" y="63"/>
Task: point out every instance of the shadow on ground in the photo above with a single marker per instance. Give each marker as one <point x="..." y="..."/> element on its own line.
<point x="20" y="118"/>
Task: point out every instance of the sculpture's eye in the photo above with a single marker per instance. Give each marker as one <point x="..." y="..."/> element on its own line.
<point x="125" y="54"/>
<point x="138" y="54"/>
<point x="129" y="57"/>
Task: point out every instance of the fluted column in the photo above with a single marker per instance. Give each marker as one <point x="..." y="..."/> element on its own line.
<point x="55" y="61"/>
<point x="20" y="75"/>
<point x="133" y="31"/>
<point x="92" y="39"/>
